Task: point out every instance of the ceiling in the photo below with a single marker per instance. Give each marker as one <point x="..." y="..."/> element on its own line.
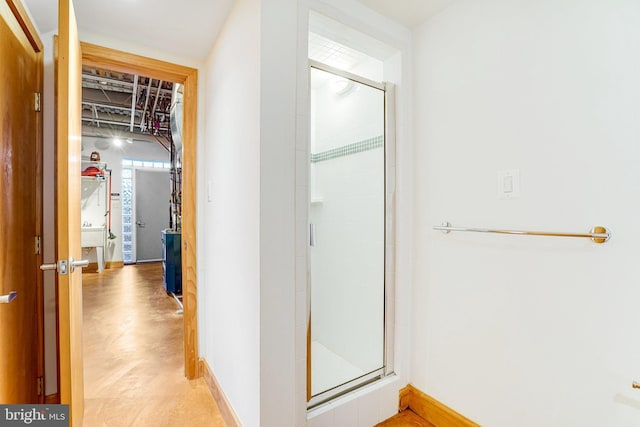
<point x="188" y="27"/>
<point x="125" y="106"/>
<point x="185" y="28"/>
<point x="409" y="13"/>
<point x="189" y="30"/>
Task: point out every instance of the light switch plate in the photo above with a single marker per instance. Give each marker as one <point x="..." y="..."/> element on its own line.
<point x="508" y="184"/>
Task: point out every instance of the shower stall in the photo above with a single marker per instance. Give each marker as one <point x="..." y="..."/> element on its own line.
<point x="347" y="340"/>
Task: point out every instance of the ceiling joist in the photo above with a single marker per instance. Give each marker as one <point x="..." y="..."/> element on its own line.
<point x="121" y="102"/>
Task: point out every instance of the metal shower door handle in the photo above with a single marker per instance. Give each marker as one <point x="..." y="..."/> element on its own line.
<point x="6" y="299"/>
<point x="312" y="235"/>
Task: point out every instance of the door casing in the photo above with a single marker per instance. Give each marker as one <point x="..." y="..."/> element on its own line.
<point x="102" y="57"/>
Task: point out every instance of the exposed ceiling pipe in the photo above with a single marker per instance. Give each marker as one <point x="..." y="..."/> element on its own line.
<point x="110" y="82"/>
<point x="99" y="120"/>
<point x="144" y="110"/>
<point x="155" y="104"/>
<point x="104" y="121"/>
<point x="159" y="142"/>
<point x="105" y="94"/>
<point x="106" y="80"/>
<point x="95" y="116"/>
<point x="113" y="107"/>
<point x="134" y="98"/>
<point x="91" y="131"/>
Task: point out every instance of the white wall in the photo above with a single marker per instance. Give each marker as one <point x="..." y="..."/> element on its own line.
<point x="249" y="233"/>
<point x="280" y="128"/>
<point x="229" y="289"/>
<point x="514" y="330"/>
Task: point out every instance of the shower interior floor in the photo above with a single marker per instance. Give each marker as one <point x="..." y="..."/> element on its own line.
<point x="329" y="370"/>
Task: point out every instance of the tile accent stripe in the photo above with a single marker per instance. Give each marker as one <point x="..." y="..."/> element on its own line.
<point x="346" y="150"/>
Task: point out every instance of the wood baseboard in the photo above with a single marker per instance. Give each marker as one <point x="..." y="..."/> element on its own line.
<point x="229" y="416"/>
<point x="431" y="410"/>
<point x="114" y="264"/>
<point x="93" y="266"/>
<point x="52" y="399"/>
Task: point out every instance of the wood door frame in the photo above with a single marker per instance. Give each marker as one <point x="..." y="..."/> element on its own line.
<point x="30" y="32"/>
<point x="111" y="59"/>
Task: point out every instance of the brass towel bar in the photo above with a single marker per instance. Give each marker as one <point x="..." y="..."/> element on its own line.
<point x="598" y="234"/>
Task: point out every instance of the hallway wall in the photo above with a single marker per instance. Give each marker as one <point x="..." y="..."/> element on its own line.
<point x="514" y="330"/>
<point x="249" y="234"/>
<point x="229" y="295"/>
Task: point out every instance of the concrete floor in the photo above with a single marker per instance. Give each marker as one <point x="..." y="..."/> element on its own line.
<point x="133" y="354"/>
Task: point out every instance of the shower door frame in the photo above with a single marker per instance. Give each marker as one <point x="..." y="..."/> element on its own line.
<point x="388" y="89"/>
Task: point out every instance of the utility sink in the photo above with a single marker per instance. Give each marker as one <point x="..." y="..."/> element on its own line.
<point x="92" y="236"/>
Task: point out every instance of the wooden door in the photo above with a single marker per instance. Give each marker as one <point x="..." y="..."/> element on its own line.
<point x="68" y="143"/>
<point x="20" y="207"/>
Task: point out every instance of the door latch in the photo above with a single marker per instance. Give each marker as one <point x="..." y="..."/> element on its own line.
<point x="62" y="266"/>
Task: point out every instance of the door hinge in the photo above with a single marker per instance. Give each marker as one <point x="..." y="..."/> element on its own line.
<point x="40" y="381"/>
<point x="38" y="245"/>
<point x="38" y="104"/>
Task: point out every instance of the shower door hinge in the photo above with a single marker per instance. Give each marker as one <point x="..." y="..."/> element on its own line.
<point x="38" y="104"/>
<point x="40" y="385"/>
<point x="38" y="244"/>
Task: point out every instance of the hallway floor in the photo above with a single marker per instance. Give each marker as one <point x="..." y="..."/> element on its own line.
<point x="133" y="355"/>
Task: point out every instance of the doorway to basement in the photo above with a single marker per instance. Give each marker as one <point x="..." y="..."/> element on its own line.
<point x="122" y="62"/>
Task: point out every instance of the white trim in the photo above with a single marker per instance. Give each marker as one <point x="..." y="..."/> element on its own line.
<point x="390" y="168"/>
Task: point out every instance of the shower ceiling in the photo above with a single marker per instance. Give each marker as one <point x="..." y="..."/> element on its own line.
<point x="125" y="106"/>
<point x="337" y="55"/>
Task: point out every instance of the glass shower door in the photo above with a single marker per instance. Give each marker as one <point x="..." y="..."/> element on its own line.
<point x="347" y="217"/>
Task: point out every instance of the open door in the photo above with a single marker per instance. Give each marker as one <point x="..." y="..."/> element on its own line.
<point x="68" y="143"/>
<point x="20" y="208"/>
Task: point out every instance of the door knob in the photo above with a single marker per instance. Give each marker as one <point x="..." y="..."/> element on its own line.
<point x="82" y="263"/>
<point x="63" y="266"/>
<point x="6" y="299"/>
